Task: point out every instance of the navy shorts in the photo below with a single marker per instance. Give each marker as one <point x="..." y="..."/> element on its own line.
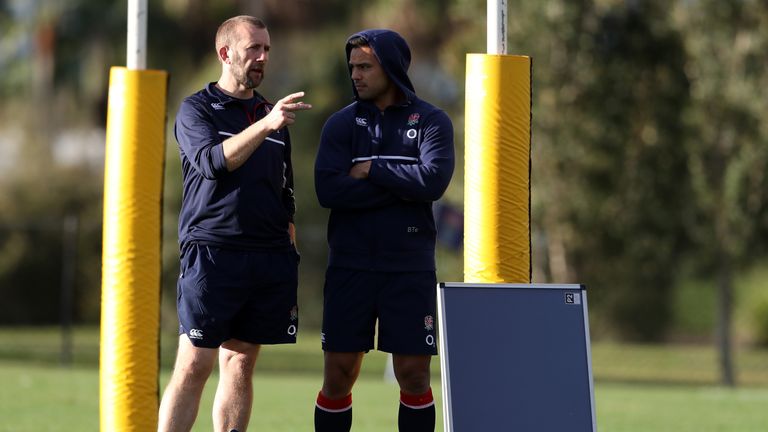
<point x="404" y="304"/>
<point x="227" y="294"/>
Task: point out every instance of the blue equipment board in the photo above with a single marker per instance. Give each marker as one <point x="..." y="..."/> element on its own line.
<point x="515" y="357"/>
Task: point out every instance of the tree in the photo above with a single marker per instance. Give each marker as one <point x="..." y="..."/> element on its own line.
<point x="633" y="169"/>
<point x="726" y="43"/>
<point x="609" y="170"/>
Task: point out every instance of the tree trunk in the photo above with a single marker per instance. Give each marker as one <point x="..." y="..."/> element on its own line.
<point x="724" y="306"/>
<point x="558" y="261"/>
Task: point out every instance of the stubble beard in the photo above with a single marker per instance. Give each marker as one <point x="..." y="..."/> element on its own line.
<point x="242" y="75"/>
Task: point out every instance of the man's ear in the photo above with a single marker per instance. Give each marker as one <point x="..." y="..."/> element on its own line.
<point x="224" y="54"/>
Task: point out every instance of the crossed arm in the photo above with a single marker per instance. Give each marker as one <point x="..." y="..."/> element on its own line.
<point x="380" y="182"/>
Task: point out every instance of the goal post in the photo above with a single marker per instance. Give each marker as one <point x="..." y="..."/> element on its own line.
<point x="131" y="244"/>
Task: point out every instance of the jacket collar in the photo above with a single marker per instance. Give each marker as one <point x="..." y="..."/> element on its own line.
<point x="223" y="98"/>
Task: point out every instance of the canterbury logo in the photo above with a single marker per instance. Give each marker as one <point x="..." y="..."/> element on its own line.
<point x="361" y="121"/>
<point x="217" y="106"/>
<point x="195" y="334"/>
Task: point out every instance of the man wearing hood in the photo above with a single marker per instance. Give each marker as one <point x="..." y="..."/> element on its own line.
<point x="383" y="160"/>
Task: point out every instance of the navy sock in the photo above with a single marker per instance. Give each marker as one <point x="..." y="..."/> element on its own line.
<point x="417" y="413"/>
<point x="333" y="415"/>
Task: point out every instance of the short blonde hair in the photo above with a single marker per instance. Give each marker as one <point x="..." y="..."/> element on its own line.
<point x="227" y="31"/>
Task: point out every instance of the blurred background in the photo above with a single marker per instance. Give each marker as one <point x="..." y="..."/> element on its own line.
<point x="649" y="157"/>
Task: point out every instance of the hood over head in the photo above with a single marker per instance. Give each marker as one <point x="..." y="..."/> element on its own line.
<point x="392" y="52"/>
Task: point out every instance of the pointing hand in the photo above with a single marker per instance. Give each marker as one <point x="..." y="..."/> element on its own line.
<point x="283" y="113"/>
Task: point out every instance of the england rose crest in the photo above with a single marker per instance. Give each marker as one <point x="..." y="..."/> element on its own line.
<point x="429" y="323"/>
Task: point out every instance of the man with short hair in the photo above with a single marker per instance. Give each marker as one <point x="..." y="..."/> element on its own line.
<point x="239" y="264"/>
<point x="383" y="160"/>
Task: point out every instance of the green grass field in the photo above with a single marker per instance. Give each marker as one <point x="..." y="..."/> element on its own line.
<point x="638" y="388"/>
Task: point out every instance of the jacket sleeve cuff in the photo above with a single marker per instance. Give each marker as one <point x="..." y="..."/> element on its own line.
<point x="218" y="161"/>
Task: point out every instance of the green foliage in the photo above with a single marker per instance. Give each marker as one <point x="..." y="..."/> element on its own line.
<point x="727" y="151"/>
<point x="608" y="168"/>
<point x="760" y="319"/>
<point x="633" y="170"/>
<point x="694" y="308"/>
<point x="33" y="212"/>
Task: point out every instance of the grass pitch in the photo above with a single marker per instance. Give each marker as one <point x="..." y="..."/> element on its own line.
<point x="40" y="398"/>
<point x="637" y="388"/>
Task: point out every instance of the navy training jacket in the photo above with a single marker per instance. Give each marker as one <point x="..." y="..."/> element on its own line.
<point x="385" y="222"/>
<point x="248" y="208"/>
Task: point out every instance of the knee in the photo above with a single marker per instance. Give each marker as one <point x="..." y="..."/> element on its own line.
<point x="193" y="373"/>
<point x="338" y="382"/>
<point x="414" y="380"/>
<point x="238" y="358"/>
<point x="238" y="364"/>
<point x="339" y="379"/>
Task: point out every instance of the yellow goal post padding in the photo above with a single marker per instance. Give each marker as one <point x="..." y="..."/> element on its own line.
<point x="497" y="239"/>
<point x="131" y="262"/>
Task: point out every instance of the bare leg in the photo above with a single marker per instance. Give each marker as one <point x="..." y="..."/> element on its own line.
<point x="333" y="410"/>
<point x="181" y="399"/>
<point x="417" y="407"/>
<point x="412" y="372"/>
<point x="234" y="395"/>
<point x="340" y="373"/>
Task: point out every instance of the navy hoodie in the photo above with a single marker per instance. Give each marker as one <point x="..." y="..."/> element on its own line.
<point x="248" y="208"/>
<point x="385" y="222"/>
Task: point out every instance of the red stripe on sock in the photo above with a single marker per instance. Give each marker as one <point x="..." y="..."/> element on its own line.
<point x="334" y="404"/>
<point x="415" y="401"/>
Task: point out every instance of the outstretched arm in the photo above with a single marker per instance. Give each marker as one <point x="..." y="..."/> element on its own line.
<point x="201" y="144"/>
<point x="238" y="148"/>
